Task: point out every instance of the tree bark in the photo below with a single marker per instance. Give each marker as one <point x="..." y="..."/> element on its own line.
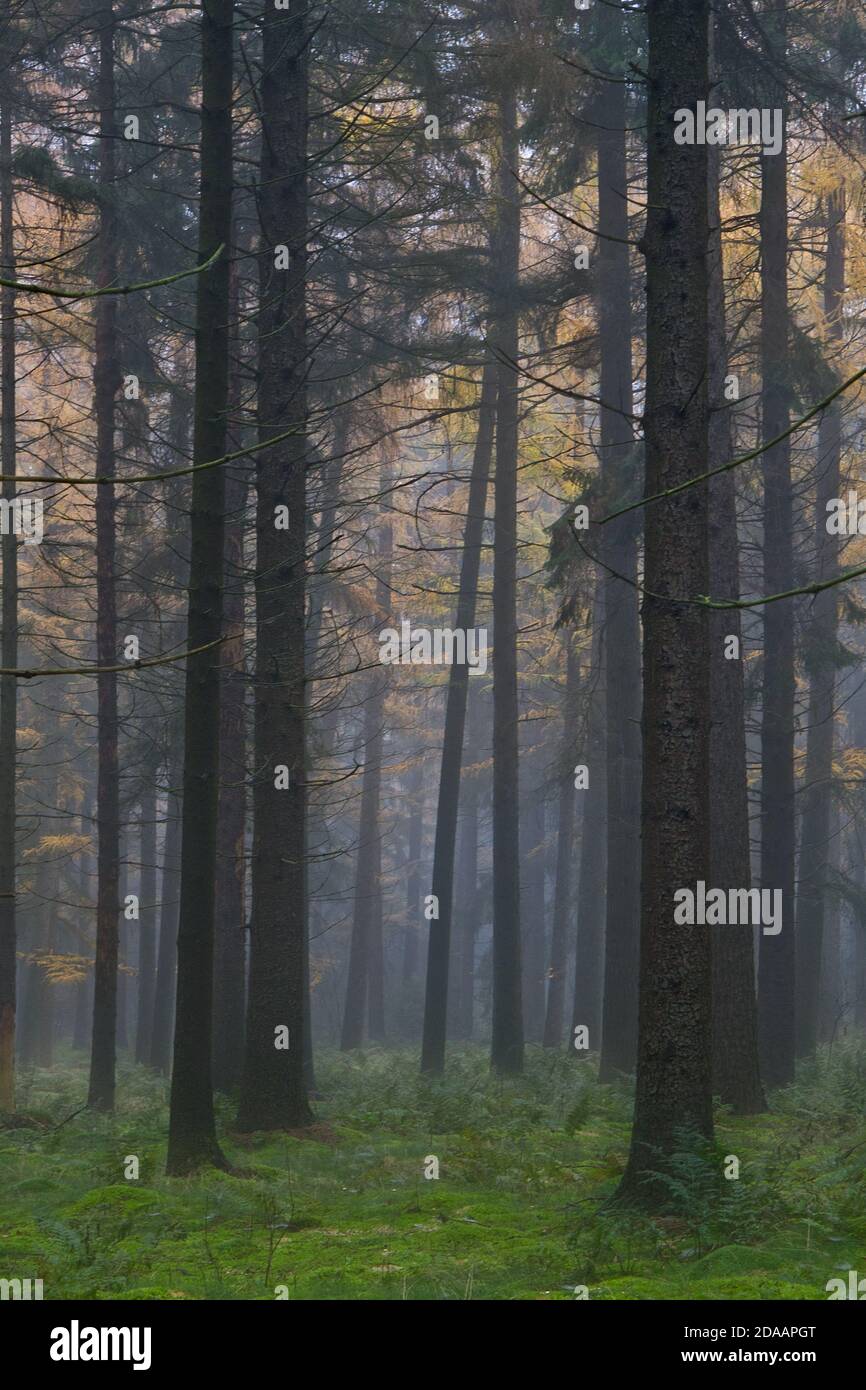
<point x="439" y="942"/>
<point x="506" y="1054"/>
<point x="192" y="1131"/>
<point x="466" y="918"/>
<point x="9" y="641"/>
<point x="821" y="658"/>
<point x="230" y="938"/>
<point x="414" y="839"/>
<point x="363" y="994"/>
<point x="84" y="989"/>
<point x="736" y="1073"/>
<point x="563" y="896"/>
<point x="589" y="959"/>
<point x="166" y="961"/>
<point x="106" y="380"/>
<point x="776" y="1016"/>
<point x="673" y="1091"/>
<point x="619" y="463"/>
<point x="532" y="914"/>
<point x="146" y="924"/>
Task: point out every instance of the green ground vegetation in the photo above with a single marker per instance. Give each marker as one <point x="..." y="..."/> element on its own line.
<point x="520" y="1209"/>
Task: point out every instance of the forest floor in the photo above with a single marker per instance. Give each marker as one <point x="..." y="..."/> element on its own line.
<point x="517" y="1211"/>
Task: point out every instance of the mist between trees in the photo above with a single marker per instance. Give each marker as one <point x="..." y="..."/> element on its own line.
<point x="352" y="350"/>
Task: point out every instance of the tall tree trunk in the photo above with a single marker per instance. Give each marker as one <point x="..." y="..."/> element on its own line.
<point x="146" y="922"/>
<point x="619" y="464"/>
<point x="589" y="960"/>
<point x="362" y="993"/>
<point x="736" y="1073"/>
<point x="834" y="1005"/>
<point x="169" y="908"/>
<point x="776" y="1016"/>
<point x="273" y="1088"/>
<point x="9" y="640"/>
<point x="857" y="861"/>
<point x="124" y="953"/>
<point x="821" y="657"/>
<point x="192" y="1132"/>
<point x="563" y="898"/>
<point x="366" y="873"/>
<point x="177" y="561"/>
<point x="106" y="380"/>
<point x="84" y="989"/>
<point x="230" y="939"/>
<point x="439" y="943"/>
<point x="326" y="537"/>
<point x="376" y="966"/>
<point x="532" y="912"/>
<point x="415" y="835"/>
<point x="506" y="1054"/>
<point x="466" y="915"/>
<point x="673" y="1089"/>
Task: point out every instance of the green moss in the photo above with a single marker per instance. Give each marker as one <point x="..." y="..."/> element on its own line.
<point x="517" y="1213"/>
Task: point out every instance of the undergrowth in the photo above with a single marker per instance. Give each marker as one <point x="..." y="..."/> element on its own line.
<point x="520" y="1209"/>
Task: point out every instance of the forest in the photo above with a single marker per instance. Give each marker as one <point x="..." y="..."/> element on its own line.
<point x="433" y="650"/>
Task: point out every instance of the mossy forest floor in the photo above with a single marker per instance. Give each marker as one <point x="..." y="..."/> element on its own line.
<point x="517" y="1212"/>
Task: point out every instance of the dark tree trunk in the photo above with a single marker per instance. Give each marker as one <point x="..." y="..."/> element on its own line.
<point x="230" y="939"/>
<point x="820" y="658"/>
<point x="166" y="961"/>
<point x="466" y="914"/>
<point x="776" y="1015"/>
<point x="439" y="943"/>
<point x="366" y="872"/>
<point x="833" y="1005"/>
<point x="106" y="379"/>
<point x="414" y="840"/>
<point x="563" y="898"/>
<point x="146" y="924"/>
<point x="736" y="1074"/>
<point x="192" y="1131"/>
<point x="532" y="913"/>
<point x="619" y="464"/>
<point x="857" y="862"/>
<point x="376" y="968"/>
<point x="84" y="944"/>
<point x="9" y="641"/>
<point x="590" y="954"/>
<point x="673" y="1091"/>
<point x="43" y="995"/>
<point x="363" y="988"/>
<point x="506" y="1054"/>
<point x="326" y="536"/>
<point x="123" y="951"/>
<point x="273" y="1088"/>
